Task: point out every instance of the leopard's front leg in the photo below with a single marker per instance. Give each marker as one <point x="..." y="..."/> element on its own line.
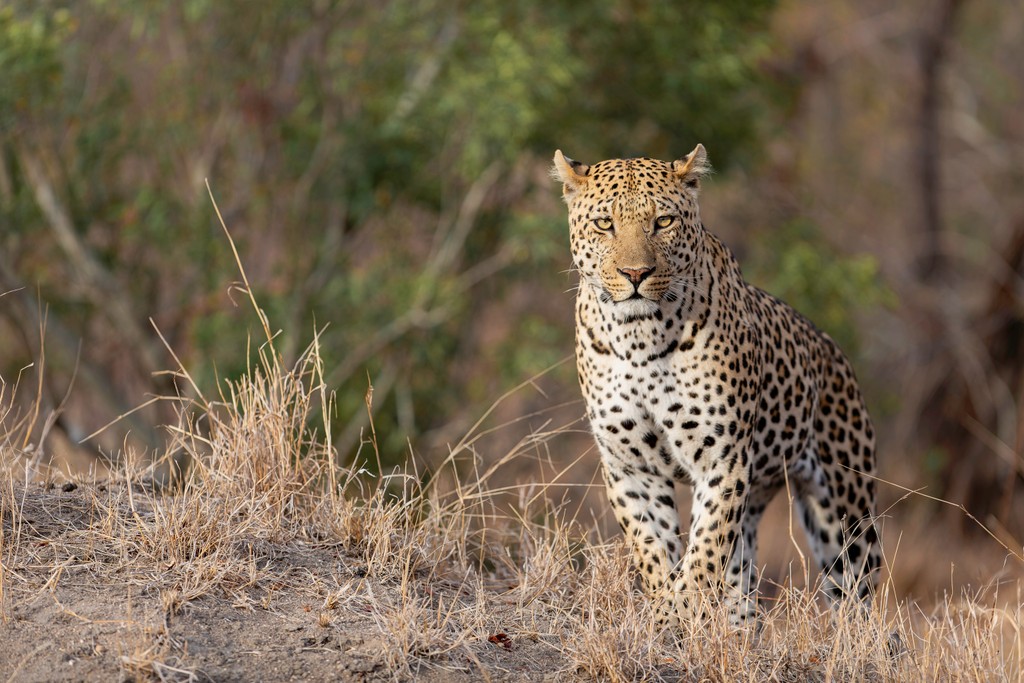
<point x="719" y="503"/>
<point x="644" y="505"/>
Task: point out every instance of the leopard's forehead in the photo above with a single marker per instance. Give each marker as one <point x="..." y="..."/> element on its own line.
<point x="631" y="174"/>
<point x="630" y="186"/>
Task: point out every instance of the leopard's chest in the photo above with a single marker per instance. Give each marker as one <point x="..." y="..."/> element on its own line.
<point x="660" y="410"/>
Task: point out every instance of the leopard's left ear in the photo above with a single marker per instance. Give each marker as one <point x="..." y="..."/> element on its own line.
<point x="692" y="168"/>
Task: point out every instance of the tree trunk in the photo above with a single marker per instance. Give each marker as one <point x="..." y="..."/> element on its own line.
<point x="934" y="50"/>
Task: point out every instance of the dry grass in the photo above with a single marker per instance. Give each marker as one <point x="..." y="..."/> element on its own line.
<point x="429" y="570"/>
<point x="270" y="559"/>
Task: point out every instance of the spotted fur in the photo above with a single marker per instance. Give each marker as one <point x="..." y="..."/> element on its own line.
<point x="690" y="374"/>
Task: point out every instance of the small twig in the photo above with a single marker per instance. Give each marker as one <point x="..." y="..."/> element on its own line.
<point x="14" y="674"/>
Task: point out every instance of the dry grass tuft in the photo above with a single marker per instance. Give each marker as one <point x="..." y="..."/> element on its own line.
<point x="152" y="657"/>
<point x="322" y="568"/>
<point x="444" y="573"/>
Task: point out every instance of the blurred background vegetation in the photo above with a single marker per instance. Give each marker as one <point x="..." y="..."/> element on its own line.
<point x="383" y="168"/>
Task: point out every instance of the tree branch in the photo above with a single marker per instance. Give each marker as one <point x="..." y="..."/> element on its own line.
<point x="100" y="285"/>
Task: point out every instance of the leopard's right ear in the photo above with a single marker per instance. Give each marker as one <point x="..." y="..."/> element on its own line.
<point x="572" y="174"/>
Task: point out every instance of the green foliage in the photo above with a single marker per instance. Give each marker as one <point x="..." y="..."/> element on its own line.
<point x="653" y="79"/>
<point x="830" y="289"/>
<point x="376" y="163"/>
<point x="30" y="67"/>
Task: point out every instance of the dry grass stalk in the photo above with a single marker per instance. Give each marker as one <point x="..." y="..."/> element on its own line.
<point x="441" y="574"/>
<point x="436" y="561"/>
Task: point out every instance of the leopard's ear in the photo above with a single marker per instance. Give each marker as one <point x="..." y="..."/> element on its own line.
<point x="692" y="168"/>
<point x="572" y="174"/>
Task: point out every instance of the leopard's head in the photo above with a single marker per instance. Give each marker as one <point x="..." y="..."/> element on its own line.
<point x="634" y="225"/>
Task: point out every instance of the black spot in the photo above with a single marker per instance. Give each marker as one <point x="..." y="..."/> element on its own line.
<point x="853" y="552"/>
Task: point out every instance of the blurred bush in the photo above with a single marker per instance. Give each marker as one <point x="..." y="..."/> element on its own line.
<point x="382" y="166"/>
<point x="796" y="264"/>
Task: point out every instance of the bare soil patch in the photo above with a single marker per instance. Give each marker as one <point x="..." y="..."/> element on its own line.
<point x="79" y="609"/>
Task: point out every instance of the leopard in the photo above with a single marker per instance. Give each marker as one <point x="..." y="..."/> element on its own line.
<point x="693" y="376"/>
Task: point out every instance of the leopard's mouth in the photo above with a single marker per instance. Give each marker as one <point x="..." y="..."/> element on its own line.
<point x="636" y="296"/>
<point x="622" y="297"/>
<point x="607" y="297"/>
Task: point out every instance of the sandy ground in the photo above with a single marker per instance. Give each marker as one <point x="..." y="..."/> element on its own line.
<point x="90" y="615"/>
<point x="85" y="595"/>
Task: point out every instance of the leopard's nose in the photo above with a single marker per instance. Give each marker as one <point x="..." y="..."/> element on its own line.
<point x="637" y="275"/>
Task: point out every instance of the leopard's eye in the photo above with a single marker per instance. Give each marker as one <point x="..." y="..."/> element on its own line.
<point x="662" y="222"/>
<point x="603" y="224"/>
